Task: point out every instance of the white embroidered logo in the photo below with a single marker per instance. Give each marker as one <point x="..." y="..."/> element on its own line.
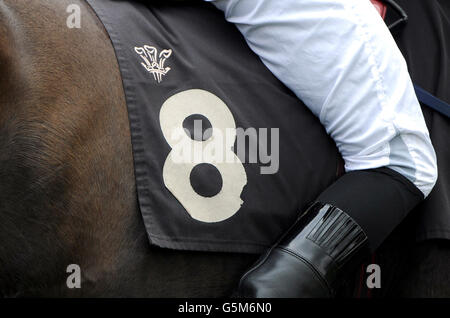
<point x="150" y="56"/>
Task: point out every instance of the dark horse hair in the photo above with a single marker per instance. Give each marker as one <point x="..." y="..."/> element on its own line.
<point x="67" y="188"/>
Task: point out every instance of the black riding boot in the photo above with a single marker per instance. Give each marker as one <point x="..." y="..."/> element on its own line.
<point x="310" y="259"/>
<point x="314" y="256"/>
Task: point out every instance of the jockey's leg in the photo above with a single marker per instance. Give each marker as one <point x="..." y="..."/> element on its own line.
<point x="349" y="219"/>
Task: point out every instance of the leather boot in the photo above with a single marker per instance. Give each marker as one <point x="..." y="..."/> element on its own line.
<point x="322" y="246"/>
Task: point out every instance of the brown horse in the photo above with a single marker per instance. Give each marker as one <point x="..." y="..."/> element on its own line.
<point x="67" y="187"/>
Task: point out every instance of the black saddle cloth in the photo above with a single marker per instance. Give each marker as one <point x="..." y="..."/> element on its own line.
<point x="203" y="52"/>
<point x="185" y="56"/>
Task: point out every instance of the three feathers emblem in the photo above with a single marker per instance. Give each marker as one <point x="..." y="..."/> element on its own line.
<point x="154" y="62"/>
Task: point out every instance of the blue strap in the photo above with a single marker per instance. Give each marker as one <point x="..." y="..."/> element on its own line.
<point x="432" y="101"/>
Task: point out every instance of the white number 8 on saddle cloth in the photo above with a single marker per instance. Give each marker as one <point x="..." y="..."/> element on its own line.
<point x="177" y="169"/>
